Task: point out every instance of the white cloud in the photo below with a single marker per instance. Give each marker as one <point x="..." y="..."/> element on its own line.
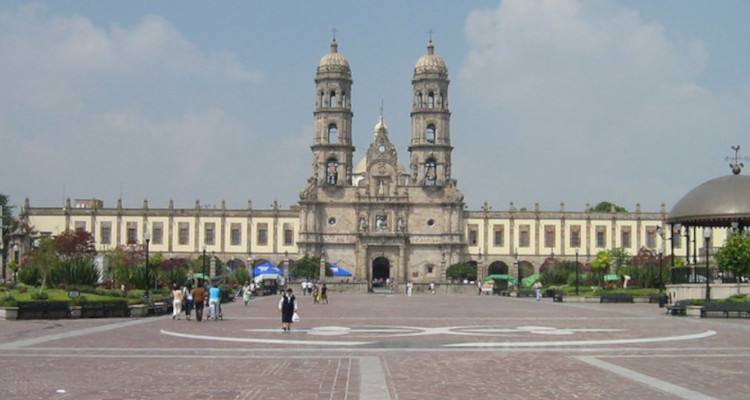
<point x="594" y="97"/>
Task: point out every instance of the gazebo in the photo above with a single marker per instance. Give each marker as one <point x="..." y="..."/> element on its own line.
<point x="722" y="202"/>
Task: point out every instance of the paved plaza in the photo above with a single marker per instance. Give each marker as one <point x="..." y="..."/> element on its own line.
<point x="372" y="347"/>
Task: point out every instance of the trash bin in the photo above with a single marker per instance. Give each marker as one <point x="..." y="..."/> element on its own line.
<point x="662" y="299"/>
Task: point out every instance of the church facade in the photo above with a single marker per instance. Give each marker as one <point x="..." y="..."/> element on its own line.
<point x="375" y="218"/>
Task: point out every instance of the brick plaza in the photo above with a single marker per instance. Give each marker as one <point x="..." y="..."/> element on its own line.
<point x="373" y="347"/>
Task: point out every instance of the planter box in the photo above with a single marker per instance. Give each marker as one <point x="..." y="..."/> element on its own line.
<point x="693" y="311"/>
<point x="8" y="313"/>
<point x="139" y="310"/>
<point x="74" y="312"/>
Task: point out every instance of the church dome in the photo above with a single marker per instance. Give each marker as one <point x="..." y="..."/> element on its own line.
<point x="333" y="61"/>
<point x="430" y="62"/>
<point x="717" y="202"/>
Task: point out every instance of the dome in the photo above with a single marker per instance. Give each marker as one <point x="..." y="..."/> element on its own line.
<point x="717" y="202"/>
<point x="333" y="60"/>
<point x="430" y="62"/>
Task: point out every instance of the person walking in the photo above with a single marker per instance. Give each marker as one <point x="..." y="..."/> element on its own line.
<point x="409" y="288"/>
<point x="187" y="292"/>
<point x="316" y="294"/>
<point x="246" y="293"/>
<point x="214" y="297"/>
<point x="538" y="289"/>
<point x="324" y="293"/>
<point x="199" y="299"/>
<point x="177" y="298"/>
<point x="287" y="307"/>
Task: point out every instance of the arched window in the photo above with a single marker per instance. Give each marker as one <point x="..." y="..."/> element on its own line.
<point x="343" y="100"/>
<point x="322" y="100"/>
<point x="333" y="99"/>
<point x="419" y="100"/>
<point x="431" y="100"/>
<point x="430" y="173"/>
<point x="332" y="171"/>
<point x="332" y="133"/>
<point x="440" y="101"/>
<point x="430" y="133"/>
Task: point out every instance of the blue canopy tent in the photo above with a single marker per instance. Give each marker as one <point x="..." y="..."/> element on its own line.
<point x="338" y="271"/>
<point x="267" y="268"/>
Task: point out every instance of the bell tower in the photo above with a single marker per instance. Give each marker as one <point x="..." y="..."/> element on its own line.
<point x="430" y="147"/>
<point x="332" y="145"/>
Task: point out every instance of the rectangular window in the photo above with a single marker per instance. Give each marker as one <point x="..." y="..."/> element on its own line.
<point x="288" y="235"/>
<point x="235" y="234"/>
<point x="524" y="235"/>
<point x="549" y="236"/>
<point x="677" y="239"/>
<point x="157" y="233"/>
<point x="105" y="233"/>
<point x="132" y="232"/>
<point x="601" y="236"/>
<point x="499" y="239"/>
<point x="651" y="237"/>
<point x="80" y="226"/>
<point x="183" y="233"/>
<point x="209" y="233"/>
<point x="625" y="237"/>
<point x="473" y="235"/>
<point x="575" y="236"/>
<point x="262" y="238"/>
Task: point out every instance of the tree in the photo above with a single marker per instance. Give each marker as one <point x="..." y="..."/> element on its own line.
<point x="75" y="244"/>
<point x="606" y="206"/>
<point x="735" y="255"/>
<point x="43" y="259"/>
<point x="461" y="271"/>
<point x="309" y="267"/>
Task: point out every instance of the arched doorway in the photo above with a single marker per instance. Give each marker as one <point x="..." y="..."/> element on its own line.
<point x="381" y="269"/>
<point x="497" y="267"/>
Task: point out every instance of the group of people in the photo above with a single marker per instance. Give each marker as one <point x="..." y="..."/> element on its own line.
<point x="186" y="298"/>
<point x="319" y="294"/>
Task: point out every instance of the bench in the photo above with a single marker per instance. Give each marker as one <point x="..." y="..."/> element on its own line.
<point x="725" y="308"/>
<point x="42" y="309"/>
<point x="557" y="296"/>
<point x="678" y="308"/>
<point x="159" y="308"/>
<point x="655" y="297"/>
<point x="526" y="293"/>
<point x="616" y="298"/>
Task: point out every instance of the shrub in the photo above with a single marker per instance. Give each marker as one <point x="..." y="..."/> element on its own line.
<point x="39" y="295"/>
<point x="8" y="300"/>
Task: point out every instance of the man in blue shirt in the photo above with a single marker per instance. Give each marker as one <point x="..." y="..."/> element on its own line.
<point x="214" y="297"/>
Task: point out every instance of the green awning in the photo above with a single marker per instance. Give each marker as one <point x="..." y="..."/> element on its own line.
<point x="528" y="281"/>
<point x="500" y="277"/>
<point x="611" y="278"/>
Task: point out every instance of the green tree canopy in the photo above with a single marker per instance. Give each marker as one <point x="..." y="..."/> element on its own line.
<point x="461" y="271"/>
<point x="735" y="254"/>
<point x="606" y="206"/>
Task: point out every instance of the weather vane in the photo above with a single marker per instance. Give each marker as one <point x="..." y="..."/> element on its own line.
<point x="736" y="165"/>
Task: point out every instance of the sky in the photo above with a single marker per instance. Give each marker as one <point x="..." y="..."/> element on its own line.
<point x="552" y="101"/>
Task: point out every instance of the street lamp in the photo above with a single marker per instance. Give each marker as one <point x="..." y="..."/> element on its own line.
<point x="577" y="269"/>
<point x="661" y="267"/>
<point x="204" y="262"/>
<point x="707" y="236"/>
<point x="147" y="236"/>
<point x="517" y="264"/>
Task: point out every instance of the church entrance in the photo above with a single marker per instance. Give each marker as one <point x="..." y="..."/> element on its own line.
<point x="381" y="272"/>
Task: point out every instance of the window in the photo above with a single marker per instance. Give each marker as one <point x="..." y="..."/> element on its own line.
<point x="601" y="236"/>
<point x="132" y="232"/>
<point x="262" y="238"/>
<point x="549" y="236"/>
<point x="288" y="235"/>
<point x="235" y="234"/>
<point x="183" y="233"/>
<point x="499" y="239"/>
<point x="431" y="100"/>
<point x="157" y="230"/>
<point x="524" y="235"/>
<point x="105" y="233"/>
<point x="333" y="99"/>
<point x="430" y="175"/>
<point x="473" y="235"/>
<point x="430" y="268"/>
<point x="625" y="237"/>
<point x="677" y="239"/>
<point x="332" y="133"/>
<point x="575" y="236"/>
<point x="332" y="172"/>
<point x="419" y="101"/>
<point x="430" y="133"/>
<point x="651" y="237"/>
<point x="209" y="233"/>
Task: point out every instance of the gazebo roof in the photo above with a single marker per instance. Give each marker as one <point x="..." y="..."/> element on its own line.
<point x="718" y="202"/>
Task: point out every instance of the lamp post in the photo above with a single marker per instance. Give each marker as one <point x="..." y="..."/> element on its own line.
<point x="577" y="270"/>
<point x="517" y="264"/>
<point x="15" y="266"/>
<point x="147" y="236"/>
<point x="707" y="236"/>
<point x="204" y="263"/>
<point x="661" y="267"/>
